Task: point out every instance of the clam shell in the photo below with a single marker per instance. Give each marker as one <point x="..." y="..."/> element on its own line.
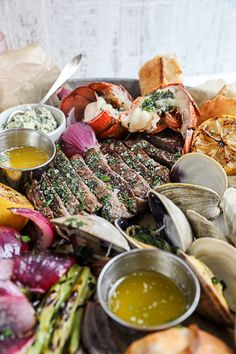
<point x="203" y="200"/>
<point x="177" y="229"/>
<point x="220" y="257"/>
<point x="94" y="230"/>
<point x="203" y="227"/>
<point x="122" y="225"/>
<point x="200" y="169"/>
<point x="146" y="220"/>
<point x="212" y="303"/>
<point x="228" y="205"/>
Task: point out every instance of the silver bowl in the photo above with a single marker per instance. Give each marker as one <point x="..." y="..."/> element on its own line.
<point x="15" y="177"/>
<point x="156" y="260"/>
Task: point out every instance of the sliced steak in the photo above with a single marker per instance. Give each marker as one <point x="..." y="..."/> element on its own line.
<point x="166" y="140"/>
<point x="71" y="203"/>
<point x="36" y="196"/>
<point x="135" y="164"/>
<point x="97" y="163"/>
<point x="52" y="198"/>
<point x="88" y="200"/>
<point x="164" y="157"/>
<point x="112" y="208"/>
<point x="136" y="182"/>
<point x="153" y="166"/>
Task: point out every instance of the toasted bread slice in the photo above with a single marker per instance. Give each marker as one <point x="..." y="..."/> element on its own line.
<point x="161" y="70"/>
<point x="179" y="340"/>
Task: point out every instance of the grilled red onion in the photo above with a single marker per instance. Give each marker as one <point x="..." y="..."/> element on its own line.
<point x="15" y="345"/>
<point x="78" y="138"/>
<point x="10" y="243"/>
<point x="38" y="272"/>
<point x="46" y="231"/>
<point x="16" y="313"/>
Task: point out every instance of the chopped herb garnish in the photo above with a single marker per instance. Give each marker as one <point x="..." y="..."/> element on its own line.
<point x="25" y="239"/>
<point x="150" y="103"/>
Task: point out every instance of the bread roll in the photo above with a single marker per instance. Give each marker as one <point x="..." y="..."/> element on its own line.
<point x="179" y="340"/>
<point x="161" y="70"/>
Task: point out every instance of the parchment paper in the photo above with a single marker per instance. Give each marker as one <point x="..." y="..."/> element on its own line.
<point x="26" y="74"/>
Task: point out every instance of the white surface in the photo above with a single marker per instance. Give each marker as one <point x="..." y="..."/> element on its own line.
<point x="117" y="36"/>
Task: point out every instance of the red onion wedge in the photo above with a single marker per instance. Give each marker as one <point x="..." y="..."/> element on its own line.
<point x="10" y="243"/>
<point x="15" y="345"/>
<point x="46" y="231"/>
<point x="38" y="272"/>
<point x="78" y="138"/>
<point x="63" y="92"/>
<point x="6" y="268"/>
<point x="16" y="312"/>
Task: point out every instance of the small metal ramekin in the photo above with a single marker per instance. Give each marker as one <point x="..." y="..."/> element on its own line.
<point x="15" y="177"/>
<point x="149" y="259"/>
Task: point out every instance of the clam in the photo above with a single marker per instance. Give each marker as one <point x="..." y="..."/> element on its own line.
<point x="141" y="232"/>
<point x="93" y="231"/>
<point x="203" y="200"/>
<point x="228" y="205"/>
<point x="203" y="227"/>
<point x="170" y="221"/>
<point x="200" y="169"/>
<point x="219" y="257"/>
<point x="212" y="302"/>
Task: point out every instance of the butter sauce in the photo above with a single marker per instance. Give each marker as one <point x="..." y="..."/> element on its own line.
<point x="146" y="298"/>
<point x="23" y="157"/>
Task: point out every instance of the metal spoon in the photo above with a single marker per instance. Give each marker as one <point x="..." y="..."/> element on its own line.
<point x="65" y="74"/>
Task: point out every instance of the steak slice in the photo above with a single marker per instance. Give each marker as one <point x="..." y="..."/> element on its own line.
<point x="153" y="166"/>
<point x="166" y="140"/>
<point x="135" y="164"/>
<point x="164" y="157"/>
<point x="36" y="196"/>
<point x="97" y="163"/>
<point x="71" y="203"/>
<point x="112" y="208"/>
<point x="136" y="182"/>
<point x="52" y="198"/>
<point x="88" y="200"/>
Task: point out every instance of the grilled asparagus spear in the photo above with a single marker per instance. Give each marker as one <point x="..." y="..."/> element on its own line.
<point x="51" y="304"/>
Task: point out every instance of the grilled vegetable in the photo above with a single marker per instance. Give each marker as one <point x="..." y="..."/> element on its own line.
<point x="60" y="313"/>
<point x="9" y="198"/>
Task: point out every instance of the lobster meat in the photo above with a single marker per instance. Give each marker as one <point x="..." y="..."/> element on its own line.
<point x="99" y="104"/>
<point x="170" y="106"/>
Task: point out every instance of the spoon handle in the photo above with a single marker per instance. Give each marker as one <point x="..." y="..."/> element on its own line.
<point x="65" y="74"/>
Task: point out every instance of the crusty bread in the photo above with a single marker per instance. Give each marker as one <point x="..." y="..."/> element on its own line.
<point x="218" y="107"/>
<point x="228" y="91"/>
<point x="179" y="340"/>
<point x="161" y="70"/>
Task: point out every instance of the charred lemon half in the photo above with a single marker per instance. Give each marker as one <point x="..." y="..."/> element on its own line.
<point x="216" y="137"/>
<point x="9" y="198"/>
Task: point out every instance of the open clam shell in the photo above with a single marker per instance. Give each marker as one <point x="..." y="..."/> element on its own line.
<point x="95" y="231"/>
<point x="168" y="217"/>
<point x="228" y="205"/>
<point x="144" y="227"/>
<point x="203" y="227"/>
<point x="203" y="200"/>
<point x="200" y="169"/>
<point x="220" y="257"/>
<point x="212" y="302"/>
